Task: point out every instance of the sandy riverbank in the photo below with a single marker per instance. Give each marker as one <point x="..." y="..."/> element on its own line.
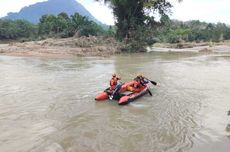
<point x="191" y="47"/>
<point x="95" y="46"/>
<point x="63" y="48"/>
<point x="218" y="48"/>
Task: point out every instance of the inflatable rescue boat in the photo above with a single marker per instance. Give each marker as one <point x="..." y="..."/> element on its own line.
<point x="121" y="93"/>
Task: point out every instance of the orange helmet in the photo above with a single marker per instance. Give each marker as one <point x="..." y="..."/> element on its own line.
<point x="114" y="75"/>
<point x="139" y="75"/>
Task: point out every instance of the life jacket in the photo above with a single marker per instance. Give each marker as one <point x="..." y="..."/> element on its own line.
<point x="136" y="84"/>
<point x="113" y="83"/>
<point x="135" y="87"/>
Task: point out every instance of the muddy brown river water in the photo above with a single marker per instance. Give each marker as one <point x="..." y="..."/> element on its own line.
<point x="47" y="105"/>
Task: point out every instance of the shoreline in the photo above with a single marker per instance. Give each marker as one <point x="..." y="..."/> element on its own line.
<point x="191" y="47"/>
<point x="95" y="46"/>
<point x="63" y="47"/>
<point x="197" y="49"/>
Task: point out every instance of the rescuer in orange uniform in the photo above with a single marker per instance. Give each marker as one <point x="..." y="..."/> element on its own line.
<point x="113" y="81"/>
<point x="139" y="83"/>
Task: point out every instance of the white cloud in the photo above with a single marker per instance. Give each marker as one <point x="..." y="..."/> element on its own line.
<point x="14" y="5"/>
<point x="206" y="10"/>
<point x="102" y="12"/>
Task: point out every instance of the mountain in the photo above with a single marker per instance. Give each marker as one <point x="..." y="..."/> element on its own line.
<point x="33" y="12"/>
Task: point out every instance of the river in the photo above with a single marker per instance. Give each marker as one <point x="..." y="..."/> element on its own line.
<point x="47" y="105"/>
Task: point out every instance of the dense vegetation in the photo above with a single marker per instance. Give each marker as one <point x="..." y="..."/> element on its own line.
<point x="64" y="26"/>
<point x="174" y="31"/>
<point x="61" y="25"/>
<point x="165" y="30"/>
<point x="16" y="29"/>
<point x="137" y="26"/>
<point x="134" y="21"/>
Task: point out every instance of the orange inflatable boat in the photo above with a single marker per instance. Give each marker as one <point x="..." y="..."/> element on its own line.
<point x="122" y="94"/>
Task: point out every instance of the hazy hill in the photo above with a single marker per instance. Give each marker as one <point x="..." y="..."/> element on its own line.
<point x="33" y="12"/>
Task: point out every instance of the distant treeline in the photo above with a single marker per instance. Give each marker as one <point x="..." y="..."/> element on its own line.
<point x="60" y="25"/>
<point x="11" y="30"/>
<point x="63" y="26"/>
<point x="174" y="31"/>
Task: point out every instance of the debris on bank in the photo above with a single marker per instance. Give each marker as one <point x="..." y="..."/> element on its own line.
<point x="64" y="47"/>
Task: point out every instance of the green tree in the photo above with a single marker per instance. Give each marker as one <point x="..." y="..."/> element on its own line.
<point x="133" y="17"/>
<point x="83" y="26"/>
<point x="63" y="22"/>
<point x="77" y="23"/>
<point x="46" y="25"/>
<point x="17" y="29"/>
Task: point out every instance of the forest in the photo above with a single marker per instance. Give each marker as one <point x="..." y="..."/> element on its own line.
<point x="63" y="26"/>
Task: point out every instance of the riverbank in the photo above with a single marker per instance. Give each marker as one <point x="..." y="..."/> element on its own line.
<point x="97" y="46"/>
<point x="205" y="47"/>
<point x="63" y="48"/>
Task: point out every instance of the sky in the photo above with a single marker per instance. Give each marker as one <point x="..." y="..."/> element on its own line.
<point x="204" y="10"/>
<point x="213" y="11"/>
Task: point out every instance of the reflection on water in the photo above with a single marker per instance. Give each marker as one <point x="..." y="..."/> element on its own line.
<point x="48" y="104"/>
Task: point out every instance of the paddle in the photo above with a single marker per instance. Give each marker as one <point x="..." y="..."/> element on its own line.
<point x="153" y="82"/>
<point x="150" y="93"/>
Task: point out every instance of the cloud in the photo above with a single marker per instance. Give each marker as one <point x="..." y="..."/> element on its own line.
<point x="14" y="5"/>
<point x="99" y="10"/>
<point x="206" y="10"/>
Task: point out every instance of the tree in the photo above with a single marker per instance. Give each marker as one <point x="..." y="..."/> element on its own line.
<point x="47" y="24"/>
<point x="17" y="29"/>
<point x="134" y="17"/>
<point x="52" y="25"/>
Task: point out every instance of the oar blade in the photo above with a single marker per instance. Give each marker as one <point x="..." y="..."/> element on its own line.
<point x="150" y="93"/>
<point x="153" y="82"/>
